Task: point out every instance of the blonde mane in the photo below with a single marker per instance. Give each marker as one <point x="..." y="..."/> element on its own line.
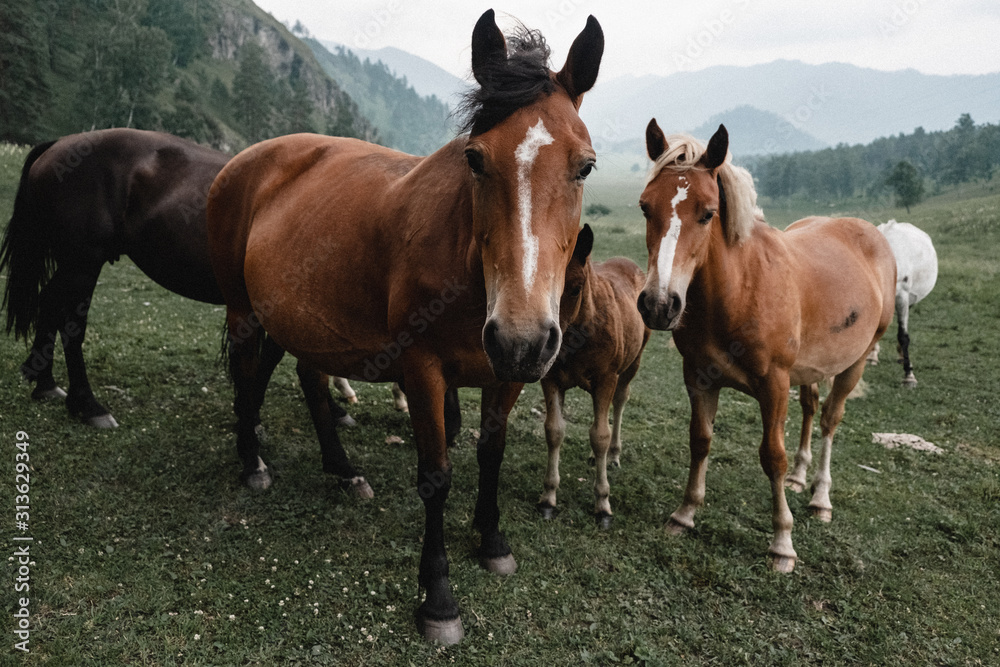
<point x="682" y="154"/>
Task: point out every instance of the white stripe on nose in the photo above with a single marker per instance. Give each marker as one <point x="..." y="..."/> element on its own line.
<point x="668" y="244"/>
<point x="525" y="155"/>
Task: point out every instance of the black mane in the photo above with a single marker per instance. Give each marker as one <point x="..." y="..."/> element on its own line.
<point x="507" y="85"/>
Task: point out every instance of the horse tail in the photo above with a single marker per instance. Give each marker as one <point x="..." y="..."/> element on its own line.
<point x="26" y="254"/>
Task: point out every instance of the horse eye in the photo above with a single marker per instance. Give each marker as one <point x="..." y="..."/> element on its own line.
<point x="475" y="160"/>
<point x="585" y="172"/>
<point x="707" y="217"/>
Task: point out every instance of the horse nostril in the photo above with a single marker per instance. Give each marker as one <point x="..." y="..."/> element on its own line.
<point x="641" y="304"/>
<point x="675" y="306"/>
<point x="554" y="340"/>
<point x="490" y="343"/>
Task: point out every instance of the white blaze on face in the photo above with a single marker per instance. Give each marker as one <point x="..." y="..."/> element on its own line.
<point x="525" y="155"/>
<point x="668" y="244"/>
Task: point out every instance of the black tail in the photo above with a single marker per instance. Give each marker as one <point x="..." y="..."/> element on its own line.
<point x="26" y="256"/>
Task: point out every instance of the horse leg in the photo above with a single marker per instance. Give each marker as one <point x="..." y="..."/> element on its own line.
<point x="555" y="431"/>
<point x="437" y="617"/>
<point x="873" y="355"/>
<point x="399" y="398"/>
<point x="78" y="289"/>
<point x="773" y="399"/>
<point x="903" y="337"/>
<point x="37" y="367"/>
<point x="622" y="392"/>
<point x="809" y="400"/>
<point x="345" y="389"/>
<point x="600" y="443"/>
<point x="704" y="404"/>
<point x="452" y="416"/>
<point x="833" y="412"/>
<point x="252" y="358"/>
<point x="315" y="386"/>
<point x="497" y="402"/>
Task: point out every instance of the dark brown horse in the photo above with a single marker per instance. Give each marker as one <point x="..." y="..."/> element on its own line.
<point x="86" y="200"/>
<point x="603" y="340"/>
<point x="758" y="310"/>
<point x="444" y="270"/>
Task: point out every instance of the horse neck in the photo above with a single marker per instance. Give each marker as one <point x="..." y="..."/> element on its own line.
<point x="725" y="277"/>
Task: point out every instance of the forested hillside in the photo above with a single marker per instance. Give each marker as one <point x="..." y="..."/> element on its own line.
<point x="222" y="72"/>
<point x="407" y="121"/>
<point x="963" y="154"/>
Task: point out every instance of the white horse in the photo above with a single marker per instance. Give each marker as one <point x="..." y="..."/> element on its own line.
<point x="916" y="273"/>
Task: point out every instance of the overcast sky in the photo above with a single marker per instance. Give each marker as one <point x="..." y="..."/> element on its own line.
<point x="666" y="36"/>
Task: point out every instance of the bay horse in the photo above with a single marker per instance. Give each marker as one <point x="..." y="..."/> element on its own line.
<point x="603" y="340"/>
<point x="86" y="200"/>
<point x="758" y="310"/>
<point x="445" y="270"/>
<point x="916" y="275"/>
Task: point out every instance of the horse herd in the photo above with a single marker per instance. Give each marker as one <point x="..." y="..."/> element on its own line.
<point x="466" y="268"/>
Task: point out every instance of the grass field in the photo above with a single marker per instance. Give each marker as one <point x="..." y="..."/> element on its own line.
<point x="147" y="550"/>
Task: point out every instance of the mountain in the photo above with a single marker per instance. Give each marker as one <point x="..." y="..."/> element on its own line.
<point x="425" y="77"/>
<point x="406" y="120"/>
<point x="835" y="103"/>
<point x="756" y="132"/>
<point x="222" y="72"/>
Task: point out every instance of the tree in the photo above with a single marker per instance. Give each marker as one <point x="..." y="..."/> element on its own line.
<point x="254" y="92"/>
<point x="906" y="182"/>
<point x="128" y="66"/>
<point x="24" y="93"/>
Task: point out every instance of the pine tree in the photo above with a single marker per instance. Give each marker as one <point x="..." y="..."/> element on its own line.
<point x="254" y="93"/>
<point x="24" y="92"/>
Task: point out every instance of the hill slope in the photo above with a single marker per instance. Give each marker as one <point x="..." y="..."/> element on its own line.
<point x="406" y="120"/>
<point x="836" y="103"/>
<point x="222" y="72"/>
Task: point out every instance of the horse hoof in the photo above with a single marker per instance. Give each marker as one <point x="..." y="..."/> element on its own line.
<point x="443" y="632"/>
<point x="502" y="565"/>
<point x="797" y="487"/>
<point x="783" y="564"/>
<point x="259" y="480"/>
<point x="102" y="421"/>
<point x="675" y="527"/>
<point x="604" y="520"/>
<point x="546" y="510"/>
<point x="362" y="488"/>
<point x="48" y="394"/>
<point x="347" y="421"/>
<point x="352" y="399"/>
<point x="822" y="514"/>
<point x="910" y="382"/>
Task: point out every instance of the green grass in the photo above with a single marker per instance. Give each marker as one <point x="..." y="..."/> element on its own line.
<point x="148" y="551"/>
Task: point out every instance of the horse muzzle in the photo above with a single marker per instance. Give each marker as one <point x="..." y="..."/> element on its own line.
<point x="658" y="313"/>
<point x="518" y="355"/>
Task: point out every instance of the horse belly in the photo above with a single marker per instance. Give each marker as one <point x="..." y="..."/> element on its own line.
<point x="319" y="305"/>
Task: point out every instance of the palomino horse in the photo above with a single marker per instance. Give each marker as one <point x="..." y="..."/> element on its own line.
<point x="916" y="274"/>
<point x="758" y="310"/>
<point x="87" y="199"/>
<point x="444" y="270"/>
<point x="603" y="341"/>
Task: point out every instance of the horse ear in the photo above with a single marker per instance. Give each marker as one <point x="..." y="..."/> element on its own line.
<point x="718" y="147"/>
<point x="584" y="244"/>
<point x="580" y="71"/>
<point x="488" y="45"/>
<point x="656" y="143"/>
